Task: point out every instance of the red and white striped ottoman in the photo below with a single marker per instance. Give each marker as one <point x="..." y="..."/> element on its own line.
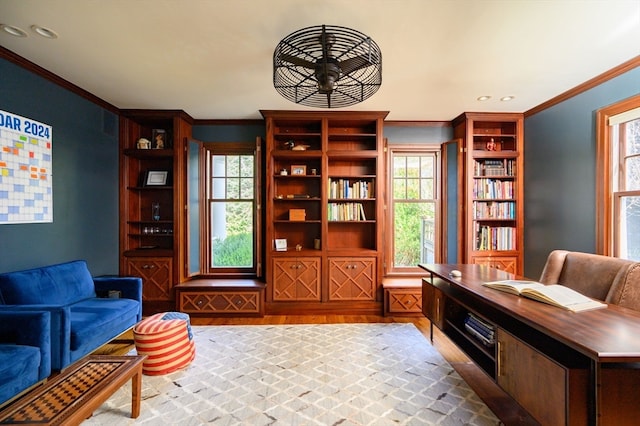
<point x="167" y="341"/>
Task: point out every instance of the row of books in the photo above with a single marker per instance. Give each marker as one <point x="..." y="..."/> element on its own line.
<point x="345" y="188"/>
<point x="494" y="167"/>
<point x="495" y="237"/>
<point x="494" y="210"/>
<point x="346" y="212"/>
<point x="493" y="189"/>
<point x="480" y="329"/>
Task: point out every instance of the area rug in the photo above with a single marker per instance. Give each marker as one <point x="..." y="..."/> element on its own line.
<point x="326" y="374"/>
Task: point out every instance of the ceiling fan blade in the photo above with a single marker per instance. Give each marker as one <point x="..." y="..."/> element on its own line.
<point x="352" y="64"/>
<point x="297" y="61"/>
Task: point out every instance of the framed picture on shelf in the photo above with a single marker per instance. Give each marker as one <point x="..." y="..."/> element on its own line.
<point x="156" y="178"/>
<point x="281" y="244"/>
<point x="298" y="170"/>
<point x="159" y="139"/>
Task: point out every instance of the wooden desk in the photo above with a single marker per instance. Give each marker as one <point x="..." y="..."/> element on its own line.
<point x="562" y="367"/>
<point x="73" y="395"/>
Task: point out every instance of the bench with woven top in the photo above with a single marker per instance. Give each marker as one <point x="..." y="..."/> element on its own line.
<point x="72" y="396"/>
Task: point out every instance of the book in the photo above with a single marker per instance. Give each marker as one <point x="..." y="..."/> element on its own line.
<point x="480" y="329"/>
<point x="552" y="294"/>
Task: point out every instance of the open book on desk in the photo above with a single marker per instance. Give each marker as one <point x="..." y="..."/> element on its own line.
<point x="553" y="294"/>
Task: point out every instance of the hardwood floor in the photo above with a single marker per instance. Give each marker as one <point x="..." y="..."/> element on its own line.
<point x="509" y="412"/>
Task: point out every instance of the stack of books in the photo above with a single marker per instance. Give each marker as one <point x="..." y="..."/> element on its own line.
<point x="480" y="329"/>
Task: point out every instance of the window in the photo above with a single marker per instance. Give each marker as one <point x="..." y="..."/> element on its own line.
<point x="619" y="179"/>
<point x="626" y="188"/>
<point x="231" y="207"/>
<point x="413" y="208"/>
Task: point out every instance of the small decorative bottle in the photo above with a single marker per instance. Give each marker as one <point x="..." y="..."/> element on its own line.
<point x="155" y="211"/>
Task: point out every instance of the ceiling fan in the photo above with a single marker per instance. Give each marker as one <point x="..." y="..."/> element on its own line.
<point x="327" y="66"/>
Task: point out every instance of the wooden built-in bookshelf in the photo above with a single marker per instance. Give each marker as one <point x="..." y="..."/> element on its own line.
<point x="325" y="173"/>
<point x="493" y="202"/>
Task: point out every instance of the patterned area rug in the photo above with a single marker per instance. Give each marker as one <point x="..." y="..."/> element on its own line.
<point x="329" y="374"/>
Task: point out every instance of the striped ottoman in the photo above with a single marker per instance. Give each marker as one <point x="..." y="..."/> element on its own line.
<point x="167" y="341"/>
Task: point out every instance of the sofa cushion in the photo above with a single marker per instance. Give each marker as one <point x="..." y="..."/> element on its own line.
<point x="18" y="369"/>
<point x="52" y="285"/>
<point x="96" y="321"/>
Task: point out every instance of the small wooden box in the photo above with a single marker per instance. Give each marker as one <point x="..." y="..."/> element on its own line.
<point x="297" y="214"/>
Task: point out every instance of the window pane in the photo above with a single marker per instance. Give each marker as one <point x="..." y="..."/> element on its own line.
<point x="413" y="189"/>
<point x="632" y="174"/>
<point x="246" y="163"/>
<point x="233" y="188"/>
<point x="246" y="188"/>
<point x="399" y="166"/>
<point x="633" y="137"/>
<point x="233" y="165"/>
<point x="399" y="189"/>
<point x="413" y="166"/>
<point x="427" y="189"/>
<point x="629" y="228"/>
<point x="218" y="165"/>
<point x="231" y="234"/>
<point x="414" y="233"/>
<point x="427" y="167"/>
<point x="218" y="188"/>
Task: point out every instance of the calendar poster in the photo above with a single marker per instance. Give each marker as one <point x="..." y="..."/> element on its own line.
<point x="26" y="180"/>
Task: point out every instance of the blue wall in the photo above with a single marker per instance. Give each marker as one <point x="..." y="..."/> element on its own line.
<point x="430" y="135"/>
<point x="228" y="133"/>
<point x="85" y="178"/>
<point x="560" y="172"/>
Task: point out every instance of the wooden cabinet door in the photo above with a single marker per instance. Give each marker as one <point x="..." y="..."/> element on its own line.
<point x="156" y="273"/>
<point x="296" y="279"/>
<point x="551" y="393"/>
<point x="433" y="304"/>
<point x="352" y="278"/>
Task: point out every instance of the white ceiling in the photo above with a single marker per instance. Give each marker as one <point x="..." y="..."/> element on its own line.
<point x="213" y="58"/>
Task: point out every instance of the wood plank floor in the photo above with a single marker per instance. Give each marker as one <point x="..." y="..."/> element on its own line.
<point x="509" y="412"/>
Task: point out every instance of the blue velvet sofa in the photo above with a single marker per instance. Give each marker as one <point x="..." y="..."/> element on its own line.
<point x="81" y="322"/>
<point x="25" y="352"/>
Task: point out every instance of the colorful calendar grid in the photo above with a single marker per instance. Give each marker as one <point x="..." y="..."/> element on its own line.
<point x="26" y="184"/>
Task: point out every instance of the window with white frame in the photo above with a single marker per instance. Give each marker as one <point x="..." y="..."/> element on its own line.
<point x="413" y="208"/>
<point x="618" y="185"/>
<point x="231" y="206"/>
<point x="625" y="133"/>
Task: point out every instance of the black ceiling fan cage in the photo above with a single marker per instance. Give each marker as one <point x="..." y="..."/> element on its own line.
<point x="327" y="66"/>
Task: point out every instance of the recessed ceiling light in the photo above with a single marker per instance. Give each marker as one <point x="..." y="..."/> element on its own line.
<point x="44" y="32"/>
<point x="507" y="98"/>
<point x="484" y="98"/>
<point x="14" y="31"/>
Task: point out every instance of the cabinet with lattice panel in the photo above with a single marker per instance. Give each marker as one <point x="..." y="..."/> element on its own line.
<point x="156" y="273"/>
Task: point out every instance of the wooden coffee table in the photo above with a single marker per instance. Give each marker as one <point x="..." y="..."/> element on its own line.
<point x="73" y="395"/>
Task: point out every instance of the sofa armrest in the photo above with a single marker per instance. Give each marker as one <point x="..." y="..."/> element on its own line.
<point x="60" y="330"/>
<point x="129" y="287"/>
<point x="625" y="290"/>
<point x="29" y="329"/>
<point x="553" y="267"/>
